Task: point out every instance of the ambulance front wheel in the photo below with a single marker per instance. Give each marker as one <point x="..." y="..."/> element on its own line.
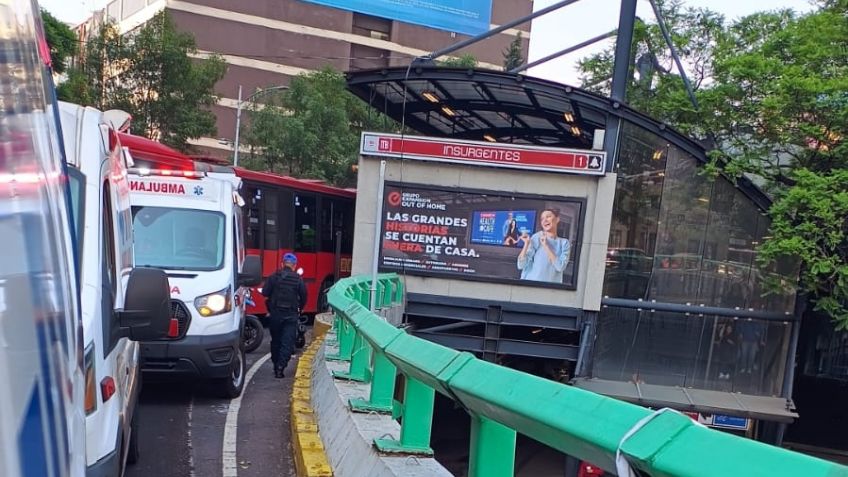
<point x="232" y="386"/>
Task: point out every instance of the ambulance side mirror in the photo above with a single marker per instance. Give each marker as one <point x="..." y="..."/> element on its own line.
<point x="251" y="272"/>
<point x="147" y="306"/>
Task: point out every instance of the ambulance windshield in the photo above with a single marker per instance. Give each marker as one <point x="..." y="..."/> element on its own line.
<point x="178" y="239"/>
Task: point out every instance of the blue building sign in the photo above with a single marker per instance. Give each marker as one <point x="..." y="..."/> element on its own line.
<point x="730" y="422"/>
<point x="470" y="17"/>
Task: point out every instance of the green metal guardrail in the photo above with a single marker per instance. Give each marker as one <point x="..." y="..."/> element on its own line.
<point x="503" y="401"/>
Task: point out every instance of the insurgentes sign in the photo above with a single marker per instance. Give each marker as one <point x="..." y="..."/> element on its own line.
<point x="573" y="161"/>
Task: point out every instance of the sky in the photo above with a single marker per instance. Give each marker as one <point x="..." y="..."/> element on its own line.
<point x="589" y="18"/>
<point x="550" y="33"/>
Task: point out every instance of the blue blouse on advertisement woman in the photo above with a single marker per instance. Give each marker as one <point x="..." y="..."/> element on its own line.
<point x="536" y="264"/>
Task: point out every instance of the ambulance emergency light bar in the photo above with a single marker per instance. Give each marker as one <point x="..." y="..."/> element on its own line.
<point x="146" y="171"/>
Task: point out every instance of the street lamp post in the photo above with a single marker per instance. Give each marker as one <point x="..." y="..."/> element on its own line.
<point x="238" y="114"/>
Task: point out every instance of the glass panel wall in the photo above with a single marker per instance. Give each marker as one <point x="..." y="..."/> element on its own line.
<point x="636" y="211"/>
<point x="681" y="237"/>
<point x="703" y="352"/>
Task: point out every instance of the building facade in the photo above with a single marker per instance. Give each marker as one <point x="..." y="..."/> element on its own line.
<point x="267" y="42"/>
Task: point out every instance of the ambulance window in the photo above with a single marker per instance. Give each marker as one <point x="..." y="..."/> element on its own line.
<point x="109" y="239"/>
<point x="304" y="223"/>
<point x="76" y="182"/>
<point x="236" y="257"/>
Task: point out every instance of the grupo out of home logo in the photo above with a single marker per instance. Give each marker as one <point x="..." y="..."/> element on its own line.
<point x="394" y="198"/>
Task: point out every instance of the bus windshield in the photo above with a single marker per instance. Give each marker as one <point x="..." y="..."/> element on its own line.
<point x="178" y="239"/>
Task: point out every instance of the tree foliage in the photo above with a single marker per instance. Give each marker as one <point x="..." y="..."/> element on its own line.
<point x="311" y="130"/>
<point x="652" y="85"/>
<point x="773" y="94"/>
<point x="151" y="74"/>
<point x="466" y="60"/>
<point x="513" y="57"/>
<point x="61" y="40"/>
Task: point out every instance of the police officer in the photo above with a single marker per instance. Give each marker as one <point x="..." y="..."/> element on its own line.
<point x="285" y="295"/>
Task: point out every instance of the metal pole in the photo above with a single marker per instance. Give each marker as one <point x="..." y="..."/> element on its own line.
<point x="789" y="371"/>
<point x="238" y="126"/>
<point x="623" y="50"/>
<point x="621" y="68"/>
<point x="564" y="52"/>
<point x="674" y="55"/>
<point x="238" y="114"/>
<point x="378" y="222"/>
<point x="506" y="26"/>
<point x="337" y="260"/>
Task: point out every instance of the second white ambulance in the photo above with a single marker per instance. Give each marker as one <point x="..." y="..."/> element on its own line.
<point x="188" y="223"/>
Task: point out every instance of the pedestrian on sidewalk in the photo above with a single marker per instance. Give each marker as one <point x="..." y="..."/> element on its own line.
<point x="285" y="297"/>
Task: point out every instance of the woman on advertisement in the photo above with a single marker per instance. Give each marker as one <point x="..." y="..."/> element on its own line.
<point x="544" y="255"/>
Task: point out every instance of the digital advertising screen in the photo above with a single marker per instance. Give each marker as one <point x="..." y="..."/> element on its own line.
<point x="501" y="227"/>
<point x="482" y="235"/>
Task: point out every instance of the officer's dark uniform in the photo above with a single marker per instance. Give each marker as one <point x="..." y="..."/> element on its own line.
<point x="285" y="295"/>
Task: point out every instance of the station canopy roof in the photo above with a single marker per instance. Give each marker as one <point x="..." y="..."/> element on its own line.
<point x="482" y="105"/>
<point x="497" y="106"/>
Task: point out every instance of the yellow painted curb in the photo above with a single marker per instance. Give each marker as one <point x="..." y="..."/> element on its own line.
<point x="310" y="457"/>
<point x="322" y="324"/>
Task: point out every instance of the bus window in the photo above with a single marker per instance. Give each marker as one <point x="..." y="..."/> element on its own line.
<point x="271" y="207"/>
<point x="252" y="199"/>
<point x="345" y="212"/>
<point x="328" y="228"/>
<point x="304" y="223"/>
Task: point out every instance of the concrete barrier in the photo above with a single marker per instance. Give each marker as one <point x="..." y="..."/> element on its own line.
<point x="347" y="436"/>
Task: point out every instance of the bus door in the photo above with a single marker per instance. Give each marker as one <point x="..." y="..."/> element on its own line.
<point x="336" y="238"/>
<point x="306" y="242"/>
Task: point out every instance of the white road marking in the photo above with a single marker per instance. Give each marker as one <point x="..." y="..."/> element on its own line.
<point x="231" y="427"/>
<point x="190" y="445"/>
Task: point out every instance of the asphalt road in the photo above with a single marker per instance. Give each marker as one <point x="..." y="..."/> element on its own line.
<point x="183" y="424"/>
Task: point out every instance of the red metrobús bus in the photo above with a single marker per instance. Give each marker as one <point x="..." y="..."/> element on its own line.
<point x="308" y="218"/>
<point x="282" y="214"/>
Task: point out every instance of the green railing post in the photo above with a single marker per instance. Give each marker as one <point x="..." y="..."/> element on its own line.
<point x="345" y="336"/>
<point x="360" y="359"/>
<point x="381" y="398"/>
<point x="398" y="298"/>
<point x="364" y="294"/>
<point x="492" y="449"/>
<point x="416" y="421"/>
<point x="388" y="293"/>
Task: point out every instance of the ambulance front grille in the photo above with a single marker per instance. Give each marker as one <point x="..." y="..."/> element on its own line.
<point x="181" y="313"/>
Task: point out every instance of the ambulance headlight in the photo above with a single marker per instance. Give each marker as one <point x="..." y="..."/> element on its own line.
<point x="214" y="303"/>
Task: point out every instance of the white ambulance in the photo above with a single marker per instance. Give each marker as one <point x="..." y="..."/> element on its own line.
<point x="110" y="287"/>
<point x="46" y="390"/>
<point x="188" y="223"/>
<point x="42" y="425"/>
